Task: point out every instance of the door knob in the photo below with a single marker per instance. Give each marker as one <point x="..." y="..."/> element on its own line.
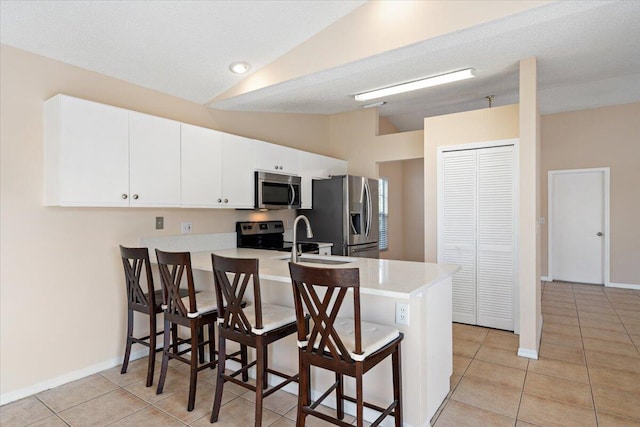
<point x="599" y="234"/>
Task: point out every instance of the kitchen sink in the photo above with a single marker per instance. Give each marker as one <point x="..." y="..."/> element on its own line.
<point x="319" y="259"/>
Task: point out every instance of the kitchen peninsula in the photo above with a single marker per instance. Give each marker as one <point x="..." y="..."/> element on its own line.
<point x="427" y="345"/>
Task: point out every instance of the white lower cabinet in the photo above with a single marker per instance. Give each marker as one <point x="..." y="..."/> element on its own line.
<point x="217" y="169"/>
<point x="476" y="230"/>
<point x="315" y="166"/>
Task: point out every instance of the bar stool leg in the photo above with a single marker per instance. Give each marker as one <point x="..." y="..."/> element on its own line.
<point x="397" y="384"/>
<point x="339" y="396"/>
<point x="212" y="345"/>
<point x="165" y="356"/>
<point x="260" y="374"/>
<point x="304" y="390"/>
<point x="222" y="358"/>
<point x="127" y="352"/>
<point x="359" y="395"/>
<point x="193" y="376"/>
<point x="152" y="349"/>
<point x="244" y="359"/>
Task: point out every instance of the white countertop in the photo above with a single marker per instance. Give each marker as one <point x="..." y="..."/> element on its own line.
<point x="390" y="278"/>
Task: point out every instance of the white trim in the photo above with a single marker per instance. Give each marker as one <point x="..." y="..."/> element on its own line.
<point x="529" y="354"/>
<point x="532" y="354"/>
<point x="516" y="182"/>
<point x="68" y="377"/>
<point x="546" y="279"/>
<point x="623" y="285"/>
<point x="606" y="262"/>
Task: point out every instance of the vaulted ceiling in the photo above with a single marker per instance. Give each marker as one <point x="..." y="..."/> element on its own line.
<point x="588" y="53"/>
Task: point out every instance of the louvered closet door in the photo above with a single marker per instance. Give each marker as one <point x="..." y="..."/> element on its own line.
<point x="458" y="228"/>
<point x="495" y="237"/>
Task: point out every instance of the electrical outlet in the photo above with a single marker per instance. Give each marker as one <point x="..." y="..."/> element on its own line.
<point x="159" y="222"/>
<point x="186" y="228"/>
<point x="402" y="313"/>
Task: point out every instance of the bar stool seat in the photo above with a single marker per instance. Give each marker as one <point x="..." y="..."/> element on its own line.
<point x="273" y="317"/>
<point x="374" y="337"/>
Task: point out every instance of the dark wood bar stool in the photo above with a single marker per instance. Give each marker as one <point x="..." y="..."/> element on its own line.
<point x="189" y="312"/>
<point x="137" y="270"/>
<point x="345" y="346"/>
<point x="256" y="326"/>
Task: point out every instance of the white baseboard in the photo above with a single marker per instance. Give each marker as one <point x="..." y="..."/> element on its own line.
<point x="67" y="378"/>
<point x="623" y="286"/>
<point x="528" y="353"/>
<point x="546" y="279"/>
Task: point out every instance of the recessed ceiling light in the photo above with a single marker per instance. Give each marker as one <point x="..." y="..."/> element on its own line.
<point x="418" y="84"/>
<point x="239" y="67"/>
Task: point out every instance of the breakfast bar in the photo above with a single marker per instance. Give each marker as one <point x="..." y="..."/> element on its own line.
<point x="423" y="291"/>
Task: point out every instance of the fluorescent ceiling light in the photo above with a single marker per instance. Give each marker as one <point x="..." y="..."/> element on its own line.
<point x="417" y="84"/>
<point x="239" y="67"/>
<point x="375" y="104"/>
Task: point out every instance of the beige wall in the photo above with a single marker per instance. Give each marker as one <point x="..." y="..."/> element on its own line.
<point x="353" y="136"/>
<point x="600" y="137"/>
<point x="394" y="172"/>
<point x="413" y="218"/>
<point x="62" y="299"/>
<point x="453" y="129"/>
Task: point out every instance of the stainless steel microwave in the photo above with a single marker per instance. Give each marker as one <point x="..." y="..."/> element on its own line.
<point x="277" y="191"/>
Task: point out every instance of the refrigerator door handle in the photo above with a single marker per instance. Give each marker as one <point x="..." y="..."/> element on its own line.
<point x="369" y="207"/>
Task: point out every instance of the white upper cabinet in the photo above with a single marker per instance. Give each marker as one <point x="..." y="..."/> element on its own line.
<point x="315" y="166"/>
<point x="201" y="171"/>
<point x="276" y="158"/>
<point x="99" y="155"/>
<point x="86" y="152"/>
<point x="217" y="169"/>
<point x="238" y="165"/>
<point x="154" y="161"/>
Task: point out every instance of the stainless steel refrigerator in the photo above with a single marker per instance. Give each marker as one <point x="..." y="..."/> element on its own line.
<point x="345" y="213"/>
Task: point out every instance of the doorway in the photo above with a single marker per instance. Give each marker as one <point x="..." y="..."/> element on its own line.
<point x="579" y="225"/>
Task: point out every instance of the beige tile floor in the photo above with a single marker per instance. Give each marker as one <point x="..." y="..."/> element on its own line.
<point x="588" y="374"/>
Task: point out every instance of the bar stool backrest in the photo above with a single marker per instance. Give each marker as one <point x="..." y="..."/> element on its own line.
<point x="136" y="261"/>
<point x="174" y="266"/>
<point x="321" y="292"/>
<point x="232" y="277"/>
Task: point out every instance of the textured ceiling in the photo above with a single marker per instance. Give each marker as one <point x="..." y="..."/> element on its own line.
<point x="588" y="53"/>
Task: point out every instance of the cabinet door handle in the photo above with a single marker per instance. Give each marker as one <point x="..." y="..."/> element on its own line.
<point x="599" y="234"/>
<point x="124" y="196"/>
<point x="135" y="197"/>
<point x="276" y="167"/>
<point x="226" y="200"/>
<point x="280" y="167"/>
<point x="219" y="200"/>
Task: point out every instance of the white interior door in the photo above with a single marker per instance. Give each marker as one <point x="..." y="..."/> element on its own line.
<point x="577" y="226"/>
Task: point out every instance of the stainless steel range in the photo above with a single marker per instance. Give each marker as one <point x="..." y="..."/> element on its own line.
<point x="268" y="235"/>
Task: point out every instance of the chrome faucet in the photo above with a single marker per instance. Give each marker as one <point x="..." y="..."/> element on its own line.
<point x="294" y="249"/>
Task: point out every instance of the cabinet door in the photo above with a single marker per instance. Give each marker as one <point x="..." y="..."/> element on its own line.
<point x="201" y="167"/>
<point x="495" y="238"/>
<point x="154" y="165"/>
<point x="457" y="228"/>
<point x="238" y="165"/>
<point x="276" y="158"/>
<point x="310" y="166"/>
<point x="86" y="153"/>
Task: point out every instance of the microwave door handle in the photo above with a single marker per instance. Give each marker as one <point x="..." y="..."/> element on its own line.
<point x="293" y="194"/>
